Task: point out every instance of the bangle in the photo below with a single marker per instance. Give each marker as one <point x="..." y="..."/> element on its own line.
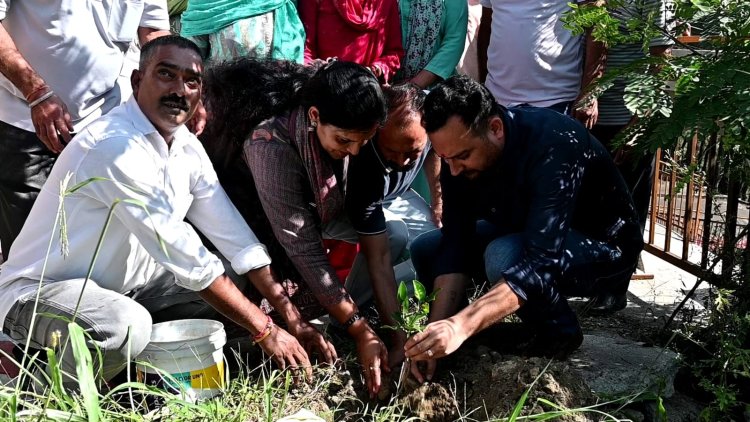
<point x="262" y="335"/>
<point x="41" y="99"/>
<point x="44" y="87"/>
<point x="354" y="318"/>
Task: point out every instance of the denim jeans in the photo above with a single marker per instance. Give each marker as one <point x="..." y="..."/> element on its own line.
<point x="588" y="267"/>
<point x="407" y="217"/>
<point x="26" y="163"/>
<point x="118" y="325"/>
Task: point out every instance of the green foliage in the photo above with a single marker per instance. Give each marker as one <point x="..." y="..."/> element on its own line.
<point x="703" y="92"/>
<point x="414" y="311"/>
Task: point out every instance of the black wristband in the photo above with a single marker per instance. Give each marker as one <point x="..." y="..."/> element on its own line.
<point x="354" y="318"/>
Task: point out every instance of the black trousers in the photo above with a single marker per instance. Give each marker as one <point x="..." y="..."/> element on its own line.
<point x="637" y="170"/>
<point x="25" y="164"/>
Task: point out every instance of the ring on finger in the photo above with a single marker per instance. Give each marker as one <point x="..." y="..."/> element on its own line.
<point x="429" y="352"/>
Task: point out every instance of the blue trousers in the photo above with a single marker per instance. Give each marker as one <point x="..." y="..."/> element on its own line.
<point x="588" y="268"/>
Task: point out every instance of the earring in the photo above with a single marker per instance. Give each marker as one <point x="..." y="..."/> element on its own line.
<point x="312" y="126"/>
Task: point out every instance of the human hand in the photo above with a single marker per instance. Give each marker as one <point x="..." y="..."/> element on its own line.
<point x="286" y="351"/>
<point x="50" y="118"/>
<point x="588" y="114"/>
<point x="376" y="70"/>
<point x="311" y="339"/>
<point x="373" y="357"/>
<point x="197" y="123"/>
<point x="438" y="339"/>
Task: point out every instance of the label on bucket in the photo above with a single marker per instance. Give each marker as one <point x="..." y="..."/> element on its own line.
<point x="199" y="379"/>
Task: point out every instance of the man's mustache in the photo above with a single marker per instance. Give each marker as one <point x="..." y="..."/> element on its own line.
<point x="174" y="100"/>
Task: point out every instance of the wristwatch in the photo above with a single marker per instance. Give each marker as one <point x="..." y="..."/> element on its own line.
<point x="354" y="318"/>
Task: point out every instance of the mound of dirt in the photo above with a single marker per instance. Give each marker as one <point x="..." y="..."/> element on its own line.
<point x="491" y="384"/>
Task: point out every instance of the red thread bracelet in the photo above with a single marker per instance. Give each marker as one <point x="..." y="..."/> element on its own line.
<point x="262" y="335"/>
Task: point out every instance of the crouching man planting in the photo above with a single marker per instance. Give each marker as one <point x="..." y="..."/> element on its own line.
<point x="533" y="204"/>
<point x="151" y="265"/>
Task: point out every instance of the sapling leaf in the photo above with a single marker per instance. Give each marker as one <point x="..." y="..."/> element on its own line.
<point x="402" y="293"/>
<point x="419" y="291"/>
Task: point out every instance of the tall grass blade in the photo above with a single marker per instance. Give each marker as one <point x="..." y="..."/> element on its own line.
<point x="85" y="372"/>
<point x="56" y="380"/>
<point x="525" y="396"/>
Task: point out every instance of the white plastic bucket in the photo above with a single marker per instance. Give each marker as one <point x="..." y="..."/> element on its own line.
<point x="191" y="352"/>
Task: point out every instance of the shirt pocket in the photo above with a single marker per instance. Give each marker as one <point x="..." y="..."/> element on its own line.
<point x="124" y="20"/>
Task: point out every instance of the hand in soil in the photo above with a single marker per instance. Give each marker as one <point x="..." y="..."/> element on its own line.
<point x="373" y="357"/>
<point x="438" y="339"/>
<point x="422" y="371"/>
<point x="313" y="341"/>
<point x="286" y="352"/>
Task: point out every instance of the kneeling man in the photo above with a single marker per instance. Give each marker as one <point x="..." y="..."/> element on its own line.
<point x="533" y="204"/>
<point x="154" y="173"/>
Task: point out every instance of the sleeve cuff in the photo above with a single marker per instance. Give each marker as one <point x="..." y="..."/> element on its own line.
<point x="251" y="258"/>
<point x="439" y="72"/>
<point x="201" y="277"/>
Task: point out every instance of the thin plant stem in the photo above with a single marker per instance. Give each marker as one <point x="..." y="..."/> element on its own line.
<point x="94" y="257"/>
<point x="32" y="324"/>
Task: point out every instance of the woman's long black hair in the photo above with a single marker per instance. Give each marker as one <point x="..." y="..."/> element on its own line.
<point x="241" y="93"/>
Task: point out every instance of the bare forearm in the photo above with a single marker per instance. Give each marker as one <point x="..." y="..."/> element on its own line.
<point x="267" y="284"/>
<point x="15" y="67"/>
<point x="594" y="62"/>
<point x="424" y="78"/>
<point x="384" y="288"/>
<point x="489" y="309"/>
<point x="226" y="298"/>
<point x="483" y="42"/>
<point x="431" y="167"/>
<point x="451" y="290"/>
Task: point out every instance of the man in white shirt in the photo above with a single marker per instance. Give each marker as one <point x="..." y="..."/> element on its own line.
<point x="59" y="65"/>
<point x="528" y="57"/>
<point x="155" y="174"/>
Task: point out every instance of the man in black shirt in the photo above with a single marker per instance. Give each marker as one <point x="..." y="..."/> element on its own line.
<point x="534" y="203"/>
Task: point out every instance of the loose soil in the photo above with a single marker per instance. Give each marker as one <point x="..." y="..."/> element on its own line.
<point x="482" y="381"/>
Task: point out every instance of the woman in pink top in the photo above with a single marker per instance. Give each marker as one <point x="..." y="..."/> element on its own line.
<point x="367" y="32"/>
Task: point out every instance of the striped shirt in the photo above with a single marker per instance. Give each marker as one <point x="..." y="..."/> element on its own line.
<point x="612" y="109"/>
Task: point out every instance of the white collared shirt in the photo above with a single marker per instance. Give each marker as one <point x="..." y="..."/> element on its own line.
<point x="78" y="47"/>
<point x="171" y="183"/>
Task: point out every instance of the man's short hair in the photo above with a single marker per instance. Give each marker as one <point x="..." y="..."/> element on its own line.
<point x="405" y="100"/>
<point x="148" y="49"/>
<point x="463" y="97"/>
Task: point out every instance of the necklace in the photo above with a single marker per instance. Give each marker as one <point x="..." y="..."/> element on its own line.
<point x="387" y="169"/>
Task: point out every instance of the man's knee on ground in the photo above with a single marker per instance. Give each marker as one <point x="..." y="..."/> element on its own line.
<point x="502" y="254"/>
<point x="127" y="332"/>
<point x="398" y="237"/>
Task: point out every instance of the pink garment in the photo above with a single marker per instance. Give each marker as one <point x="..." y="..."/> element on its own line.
<point x="367" y="32"/>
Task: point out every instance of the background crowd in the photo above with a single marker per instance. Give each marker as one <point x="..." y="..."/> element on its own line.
<point x="311" y="115"/>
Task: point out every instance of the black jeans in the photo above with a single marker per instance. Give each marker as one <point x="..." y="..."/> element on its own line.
<point x="26" y="163"/>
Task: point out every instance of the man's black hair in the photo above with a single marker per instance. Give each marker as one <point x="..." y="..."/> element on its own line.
<point x="404" y="100"/>
<point x="148" y="49"/>
<point x="463" y="97"/>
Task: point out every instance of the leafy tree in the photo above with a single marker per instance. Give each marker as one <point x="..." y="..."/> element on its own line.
<point x="704" y="92"/>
